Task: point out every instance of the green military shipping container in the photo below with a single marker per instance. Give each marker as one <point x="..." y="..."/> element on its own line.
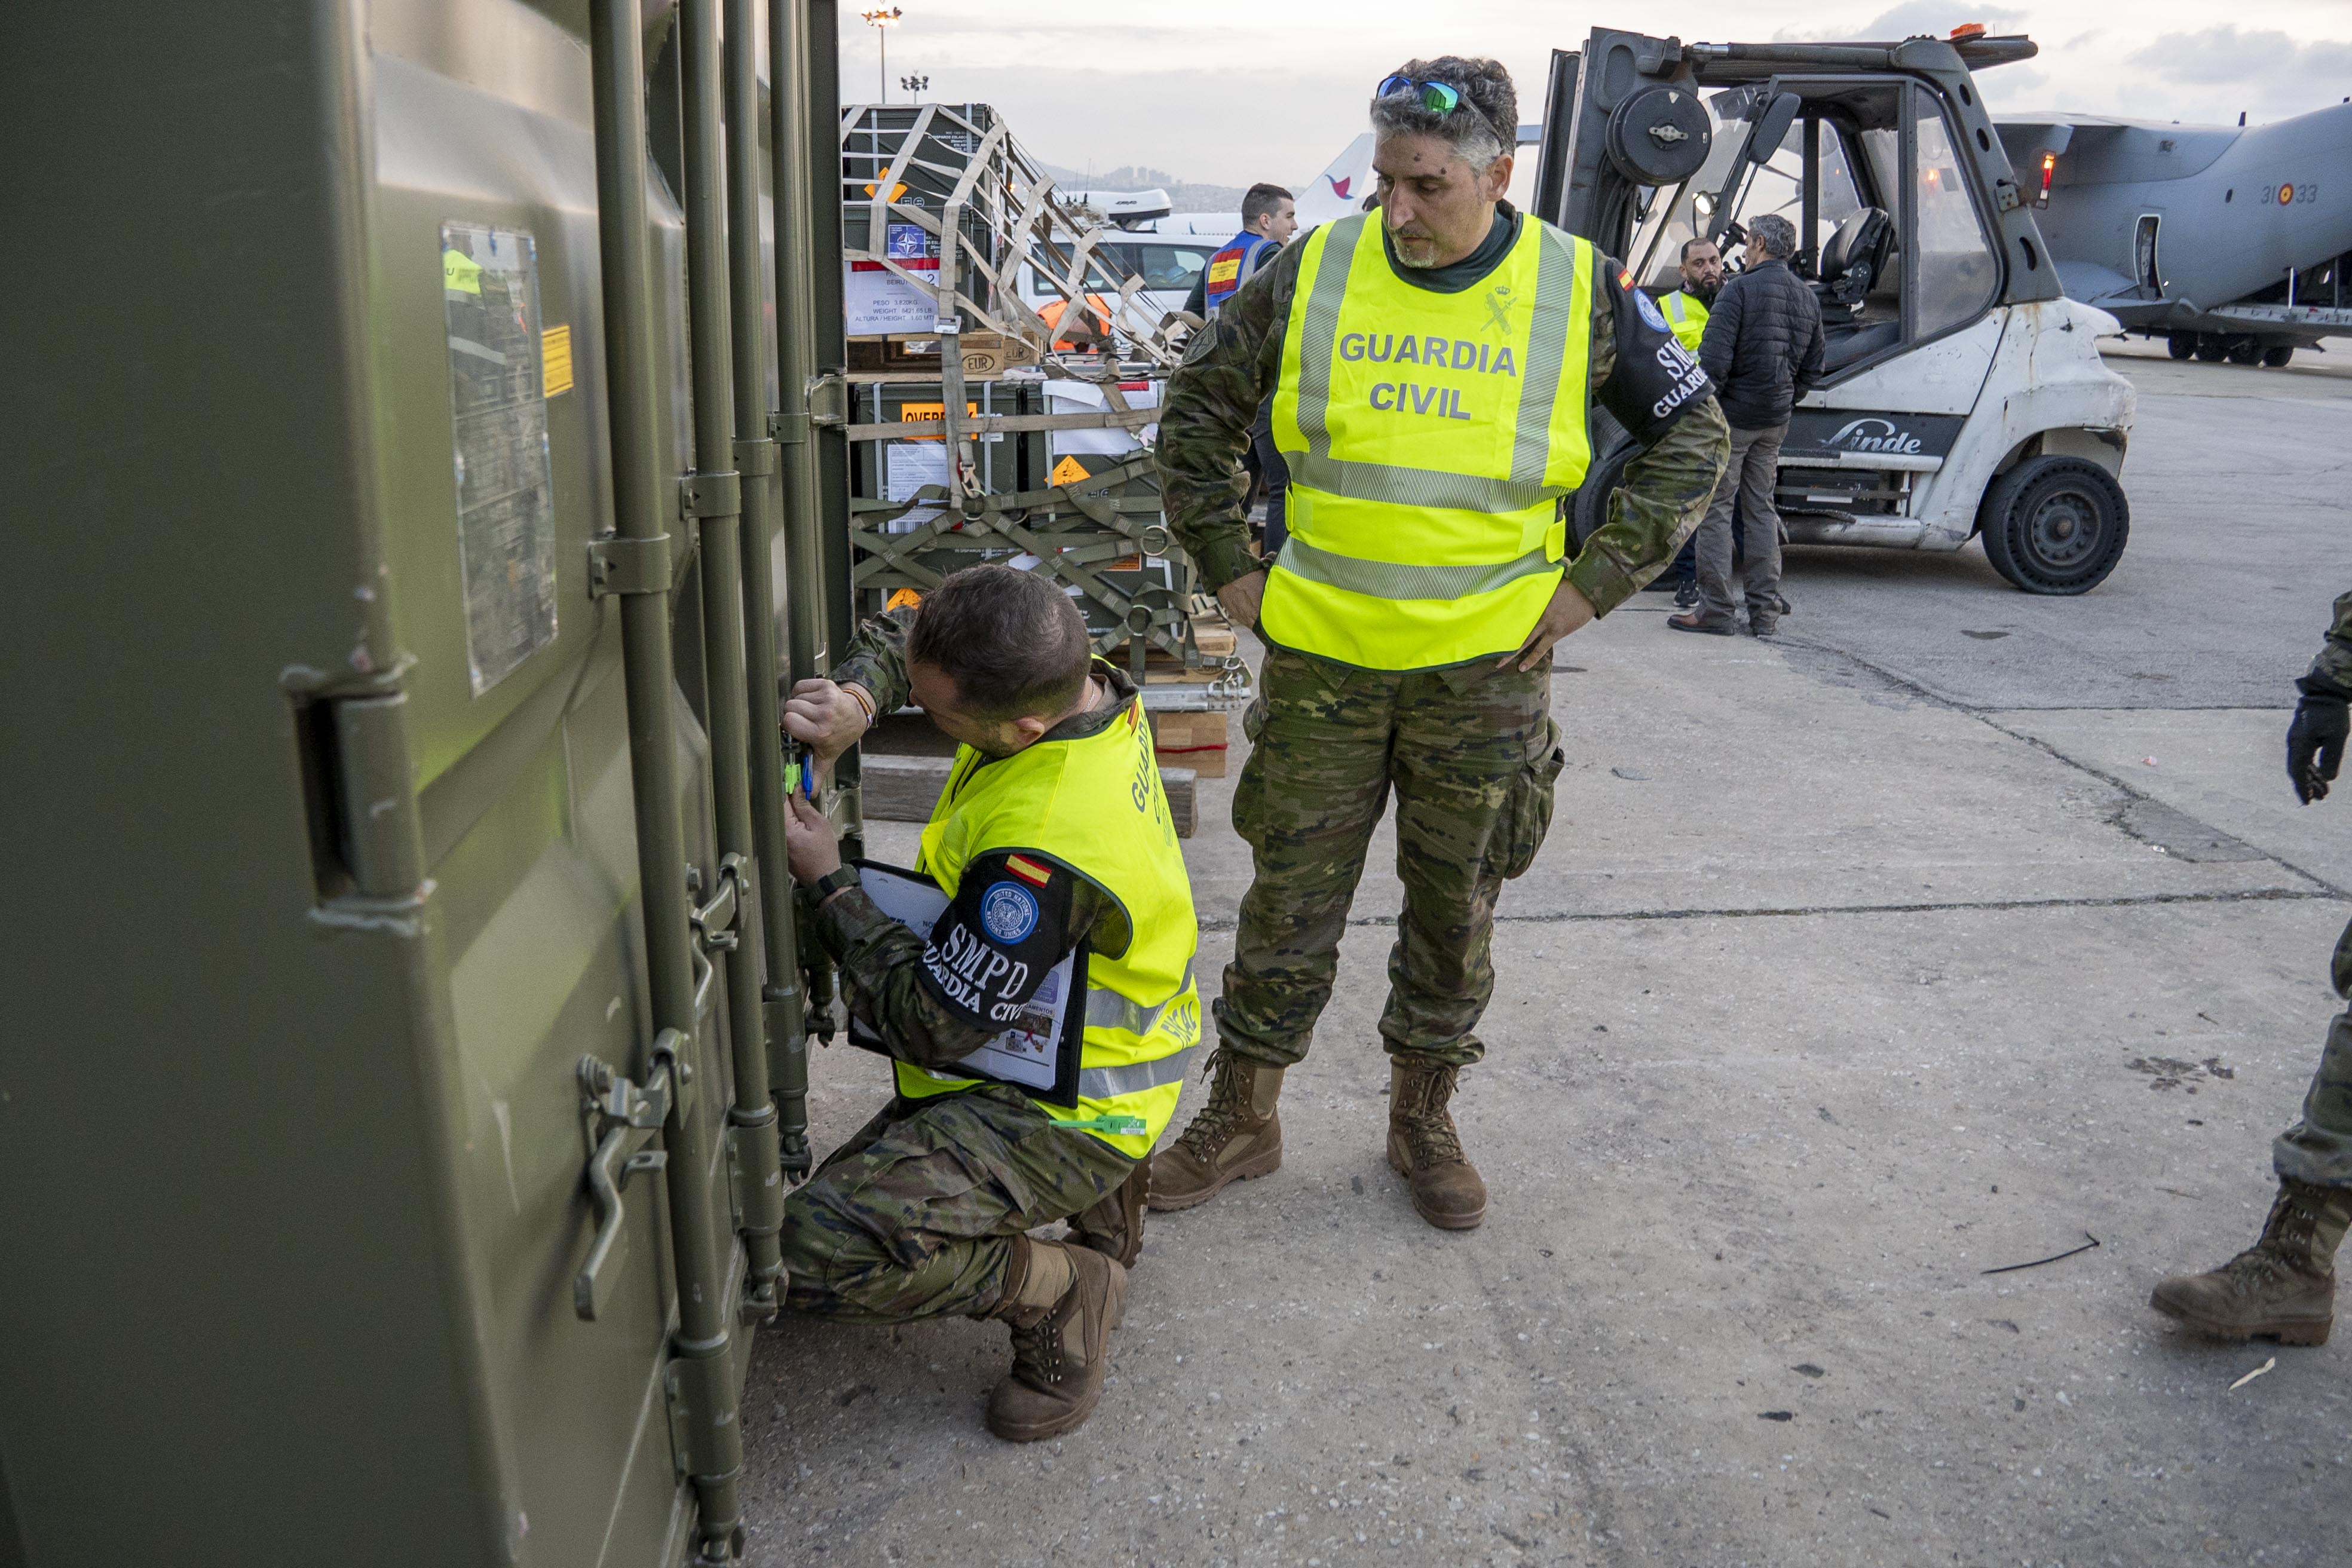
<point x="369" y="649"/>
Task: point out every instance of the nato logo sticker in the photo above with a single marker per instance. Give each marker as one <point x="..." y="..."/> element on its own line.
<point x="1009" y="910"/>
<point x="1650" y="311"/>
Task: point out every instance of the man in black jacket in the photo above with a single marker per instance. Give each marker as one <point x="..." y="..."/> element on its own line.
<point x="1763" y="351"/>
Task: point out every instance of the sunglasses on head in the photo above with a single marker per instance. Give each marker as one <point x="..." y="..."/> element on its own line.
<point x="1438" y="98"/>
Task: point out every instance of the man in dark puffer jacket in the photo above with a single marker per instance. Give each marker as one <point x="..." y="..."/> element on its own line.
<point x="1763" y="351"/>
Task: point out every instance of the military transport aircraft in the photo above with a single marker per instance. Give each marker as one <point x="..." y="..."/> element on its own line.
<point x="2226" y="241"/>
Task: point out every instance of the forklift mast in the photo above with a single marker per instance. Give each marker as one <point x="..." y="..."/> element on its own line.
<point x="1628" y="116"/>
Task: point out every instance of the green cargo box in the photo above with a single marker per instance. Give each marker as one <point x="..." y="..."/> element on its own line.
<point x="325" y="873"/>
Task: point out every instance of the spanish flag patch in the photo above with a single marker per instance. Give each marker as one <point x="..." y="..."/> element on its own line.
<point x="1624" y="278"/>
<point x="1028" y="870"/>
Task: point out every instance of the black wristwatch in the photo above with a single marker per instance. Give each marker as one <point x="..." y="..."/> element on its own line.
<point x="832" y="882"/>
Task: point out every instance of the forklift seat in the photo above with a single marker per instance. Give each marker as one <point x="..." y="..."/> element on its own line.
<point x="1854" y="257"/>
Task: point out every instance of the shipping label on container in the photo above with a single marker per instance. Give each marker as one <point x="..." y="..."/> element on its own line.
<point x="877" y="302"/>
<point x="506" y="492"/>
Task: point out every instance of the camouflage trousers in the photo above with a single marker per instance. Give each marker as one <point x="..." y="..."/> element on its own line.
<point x="2318" y="1149"/>
<point x="1472" y="754"/>
<point x="915" y="1216"/>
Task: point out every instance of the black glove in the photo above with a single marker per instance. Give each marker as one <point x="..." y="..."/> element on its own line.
<point x="2314" y="743"/>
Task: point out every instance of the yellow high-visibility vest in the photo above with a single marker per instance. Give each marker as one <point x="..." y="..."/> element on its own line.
<point x="1430" y="438"/>
<point x="1091" y="806"/>
<point x="1686" y="316"/>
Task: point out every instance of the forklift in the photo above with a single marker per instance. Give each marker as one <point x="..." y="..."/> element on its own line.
<point x="1963" y="395"/>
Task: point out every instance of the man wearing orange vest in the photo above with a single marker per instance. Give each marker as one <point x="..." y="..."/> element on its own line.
<point x="1429" y="366"/>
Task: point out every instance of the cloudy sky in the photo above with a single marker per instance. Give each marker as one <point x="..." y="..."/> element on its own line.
<point x="1229" y="92"/>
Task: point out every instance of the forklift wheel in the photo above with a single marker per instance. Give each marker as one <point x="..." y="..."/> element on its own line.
<point x="2180" y="345"/>
<point x="2054" y="525"/>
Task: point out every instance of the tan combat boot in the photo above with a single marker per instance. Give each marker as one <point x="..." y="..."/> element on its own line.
<point x="1062" y="1301"/>
<point x="1114" y="1226"/>
<point x="1237" y="1135"/>
<point x="2283" y="1287"/>
<point x="1425" y="1149"/>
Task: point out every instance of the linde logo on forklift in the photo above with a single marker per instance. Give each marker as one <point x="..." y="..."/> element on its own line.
<point x="1869" y="435"/>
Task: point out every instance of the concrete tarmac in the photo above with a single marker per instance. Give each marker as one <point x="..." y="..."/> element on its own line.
<point x="1953" y="929"/>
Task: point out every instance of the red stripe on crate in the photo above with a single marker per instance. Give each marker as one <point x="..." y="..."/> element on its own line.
<point x="912" y="264"/>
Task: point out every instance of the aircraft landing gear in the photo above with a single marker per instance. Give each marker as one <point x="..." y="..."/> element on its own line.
<point x="2277" y="354"/>
<point x="2245" y="350"/>
<point x="2180" y="345"/>
<point x="2211" y="347"/>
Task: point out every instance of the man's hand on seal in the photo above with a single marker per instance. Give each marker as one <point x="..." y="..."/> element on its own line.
<point x="825" y="718"/>
<point x="809" y="847"/>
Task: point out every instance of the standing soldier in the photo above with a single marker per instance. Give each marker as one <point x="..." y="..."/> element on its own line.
<point x="2283" y="1287"/>
<point x="1269" y="217"/>
<point x="1430" y="368"/>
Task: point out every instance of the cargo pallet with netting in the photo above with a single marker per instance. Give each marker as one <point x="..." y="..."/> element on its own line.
<point x="1019" y="452"/>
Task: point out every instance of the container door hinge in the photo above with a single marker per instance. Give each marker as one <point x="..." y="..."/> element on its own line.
<point x="710" y="495"/>
<point x="736" y="1161"/>
<point x="623" y="1118"/>
<point x="788" y="429"/>
<point x="622" y="565"/>
<point x="828" y="399"/>
<point x="701" y="1402"/>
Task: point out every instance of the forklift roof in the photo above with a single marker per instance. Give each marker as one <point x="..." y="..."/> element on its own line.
<point x="1728" y="64"/>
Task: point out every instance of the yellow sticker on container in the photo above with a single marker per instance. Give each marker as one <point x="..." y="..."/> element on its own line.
<point x="1068" y="471"/>
<point x="555" y="360"/>
<point x="931" y="414"/>
<point x="460" y="273"/>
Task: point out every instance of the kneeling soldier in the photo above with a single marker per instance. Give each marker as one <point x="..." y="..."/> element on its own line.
<point x="1052" y="833"/>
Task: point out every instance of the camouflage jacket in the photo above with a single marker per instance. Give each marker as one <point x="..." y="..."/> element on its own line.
<point x="1639" y="374"/>
<point x="2331" y="672"/>
<point x="887" y="966"/>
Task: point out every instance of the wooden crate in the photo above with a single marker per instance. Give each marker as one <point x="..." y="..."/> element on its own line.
<point x="1191" y="739"/>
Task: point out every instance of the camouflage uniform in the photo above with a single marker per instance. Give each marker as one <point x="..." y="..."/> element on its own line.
<point x="2318" y="1149"/>
<point x="1470" y="749"/>
<point x="915" y="1216"/>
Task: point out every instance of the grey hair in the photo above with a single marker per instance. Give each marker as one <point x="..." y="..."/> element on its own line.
<point x="1475" y="130"/>
<point x="1775" y="235"/>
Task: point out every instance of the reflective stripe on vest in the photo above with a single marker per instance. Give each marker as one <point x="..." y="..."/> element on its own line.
<point x="1429" y="437"/>
<point x="1094" y="807"/>
<point x="1688" y="317"/>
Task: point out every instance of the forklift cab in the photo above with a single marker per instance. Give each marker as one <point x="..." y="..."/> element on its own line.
<point x="1934" y="286"/>
<point x="1889" y="230"/>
